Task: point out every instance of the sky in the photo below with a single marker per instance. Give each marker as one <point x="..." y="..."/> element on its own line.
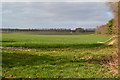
<point x="59" y="0"/>
<point x="69" y="15"/>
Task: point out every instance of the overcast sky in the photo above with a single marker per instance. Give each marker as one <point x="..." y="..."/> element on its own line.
<point x="68" y="15"/>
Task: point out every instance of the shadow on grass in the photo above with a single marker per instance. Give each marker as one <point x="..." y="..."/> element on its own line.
<point x="20" y="59"/>
<point x="7" y="41"/>
<point x="50" y="46"/>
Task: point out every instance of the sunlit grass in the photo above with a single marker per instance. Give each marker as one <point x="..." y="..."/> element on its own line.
<point x="51" y="41"/>
<point x="56" y="56"/>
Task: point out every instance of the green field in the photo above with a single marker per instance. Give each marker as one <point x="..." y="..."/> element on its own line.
<point x="50" y="55"/>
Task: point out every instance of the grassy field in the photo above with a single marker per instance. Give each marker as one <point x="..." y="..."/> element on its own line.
<point x="55" y="56"/>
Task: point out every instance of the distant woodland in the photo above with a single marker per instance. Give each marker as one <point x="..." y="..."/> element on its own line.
<point x="77" y="30"/>
<point x="106" y="29"/>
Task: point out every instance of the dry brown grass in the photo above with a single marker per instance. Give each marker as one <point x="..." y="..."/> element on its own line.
<point x="112" y="63"/>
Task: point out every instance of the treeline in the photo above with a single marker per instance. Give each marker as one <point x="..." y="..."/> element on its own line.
<point x="35" y="30"/>
<point x="106" y="29"/>
<point x="77" y="30"/>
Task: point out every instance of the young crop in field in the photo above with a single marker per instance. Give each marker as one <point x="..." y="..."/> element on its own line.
<point x="55" y="56"/>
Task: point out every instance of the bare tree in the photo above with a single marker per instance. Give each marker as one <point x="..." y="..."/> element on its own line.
<point x="115" y="8"/>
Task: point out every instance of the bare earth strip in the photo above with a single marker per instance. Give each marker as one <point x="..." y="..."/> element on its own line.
<point x="16" y="48"/>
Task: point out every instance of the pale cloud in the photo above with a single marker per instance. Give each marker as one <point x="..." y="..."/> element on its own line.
<point x="54" y="14"/>
<point x="60" y="0"/>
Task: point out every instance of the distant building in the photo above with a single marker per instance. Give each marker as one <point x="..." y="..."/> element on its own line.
<point x="79" y="30"/>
